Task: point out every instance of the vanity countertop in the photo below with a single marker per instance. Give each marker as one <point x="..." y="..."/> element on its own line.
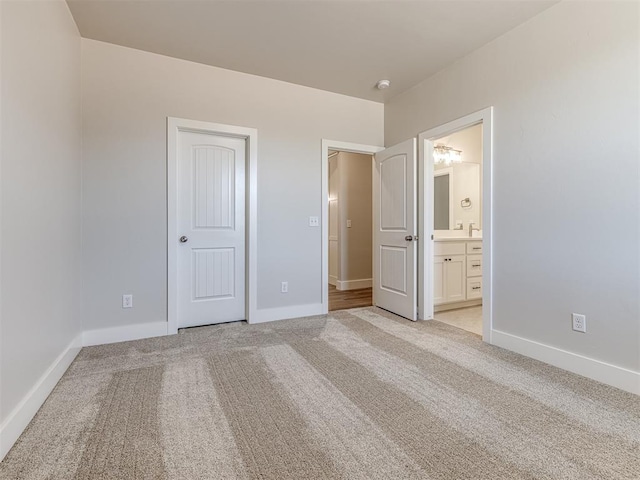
<point x="458" y="239"/>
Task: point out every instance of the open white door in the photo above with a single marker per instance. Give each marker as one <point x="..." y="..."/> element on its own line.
<point x="394" y="230"/>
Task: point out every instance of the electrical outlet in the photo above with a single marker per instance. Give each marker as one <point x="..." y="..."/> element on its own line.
<point x="314" y="221"/>
<point x="284" y="287"/>
<point x="579" y="322"/>
<point x="348" y="223"/>
<point x="127" y="301"/>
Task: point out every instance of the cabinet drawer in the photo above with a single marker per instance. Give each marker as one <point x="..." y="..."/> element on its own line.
<point x="449" y="248"/>
<point x="474" y="265"/>
<point x="474" y="247"/>
<point x="474" y="288"/>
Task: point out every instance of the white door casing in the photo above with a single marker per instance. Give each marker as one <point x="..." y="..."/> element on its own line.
<point x="250" y="136"/>
<point x="211" y="228"/>
<point x="395" y="229"/>
<point x="426" y="247"/>
<point x="343" y="147"/>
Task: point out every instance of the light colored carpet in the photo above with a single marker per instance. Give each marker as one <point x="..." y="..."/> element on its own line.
<point x="359" y="394"/>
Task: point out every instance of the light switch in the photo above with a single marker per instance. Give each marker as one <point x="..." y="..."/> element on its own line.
<point x="348" y="223"/>
<point x="314" y="221"/>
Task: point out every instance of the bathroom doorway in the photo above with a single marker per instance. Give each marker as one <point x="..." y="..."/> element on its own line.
<point x="457" y="226"/>
<point x="456" y="216"/>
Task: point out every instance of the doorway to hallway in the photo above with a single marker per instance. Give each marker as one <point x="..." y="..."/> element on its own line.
<point x="350" y="229"/>
<point x="346" y="299"/>
<point x="349" y="289"/>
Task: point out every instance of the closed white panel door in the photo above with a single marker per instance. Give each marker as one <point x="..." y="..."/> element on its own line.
<point x="211" y="226"/>
<point x="394" y="242"/>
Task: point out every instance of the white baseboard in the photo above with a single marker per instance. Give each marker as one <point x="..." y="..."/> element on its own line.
<point x="124" y="334"/>
<point x="613" y="375"/>
<point x="282" y="313"/>
<point x="354" y="284"/>
<point x="333" y="280"/>
<point x="20" y="417"/>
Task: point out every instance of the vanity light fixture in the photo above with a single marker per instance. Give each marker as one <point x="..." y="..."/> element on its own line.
<point x="446" y="155"/>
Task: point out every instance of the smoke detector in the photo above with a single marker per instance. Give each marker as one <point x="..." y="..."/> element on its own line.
<point x="382" y="84"/>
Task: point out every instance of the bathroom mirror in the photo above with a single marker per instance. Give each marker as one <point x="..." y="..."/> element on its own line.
<point x="442" y="208"/>
<point x="457" y="197"/>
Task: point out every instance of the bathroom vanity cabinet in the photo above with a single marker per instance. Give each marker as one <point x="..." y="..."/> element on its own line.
<point x="457" y="275"/>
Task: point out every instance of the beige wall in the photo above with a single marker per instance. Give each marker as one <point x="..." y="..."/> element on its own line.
<point x="334" y="214"/>
<point x="127" y="95"/>
<point x="566" y="228"/>
<point x="40" y="187"/>
<point x="355" y="205"/>
<point x="350" y="182"/>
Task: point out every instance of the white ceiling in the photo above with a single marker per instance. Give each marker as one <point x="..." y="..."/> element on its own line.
<point x="339" y="46"/>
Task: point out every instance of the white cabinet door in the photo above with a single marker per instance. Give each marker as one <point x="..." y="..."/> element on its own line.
<point x="455" y="278"/>
<point x="394" y="229"/>
<point x="449" y="279"/>
<point x="438" y="279"/>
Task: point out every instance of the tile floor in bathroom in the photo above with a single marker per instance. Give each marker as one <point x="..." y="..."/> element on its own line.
<point x="469" y="319"/>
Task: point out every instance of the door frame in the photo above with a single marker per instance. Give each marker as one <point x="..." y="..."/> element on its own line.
<point x="425" y="213"/>
<point x="324" y="187"/>
<point x="250" y="135"/>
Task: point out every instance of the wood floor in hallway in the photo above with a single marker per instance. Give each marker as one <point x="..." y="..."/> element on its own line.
<point x="345" y="299"/>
